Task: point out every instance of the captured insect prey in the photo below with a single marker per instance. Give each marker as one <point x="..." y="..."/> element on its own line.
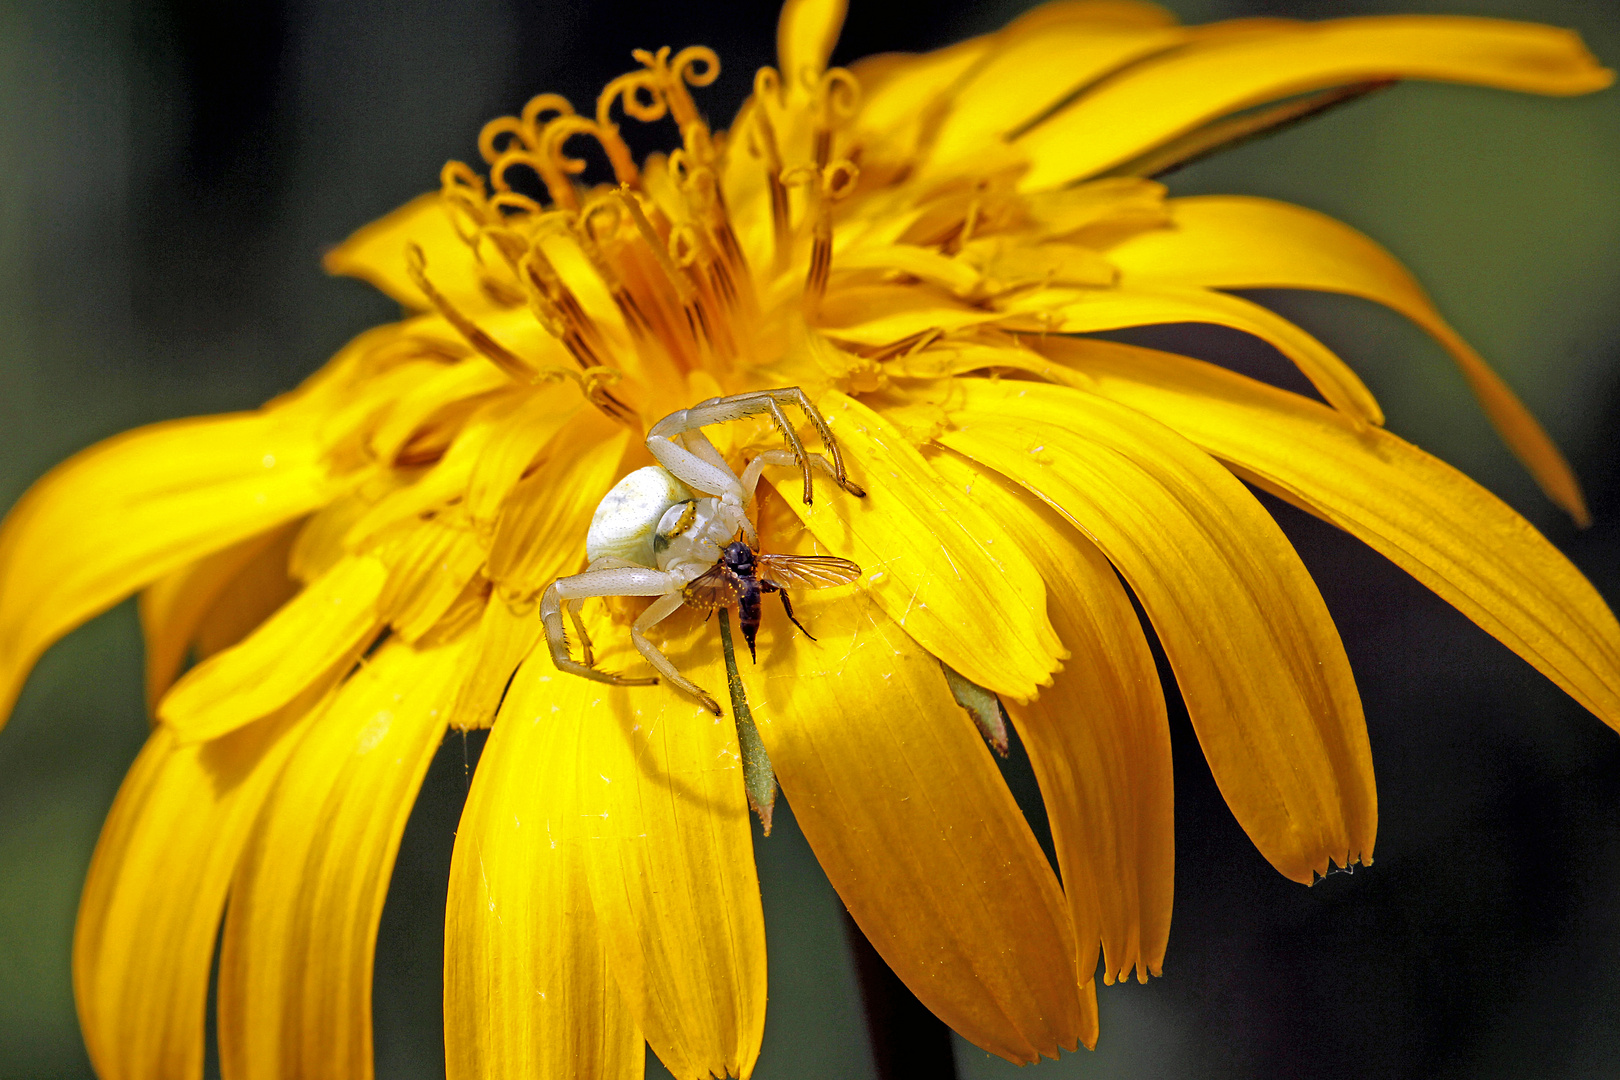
<point x="680" y="531"/>
<point x="742" y="574"/>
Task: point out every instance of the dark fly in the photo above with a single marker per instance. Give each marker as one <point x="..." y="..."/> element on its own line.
<point x="743" y="575"/>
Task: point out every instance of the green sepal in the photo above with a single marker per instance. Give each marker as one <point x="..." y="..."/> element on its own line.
<point x="982" y="705"/>
<point x="759" y="778"/>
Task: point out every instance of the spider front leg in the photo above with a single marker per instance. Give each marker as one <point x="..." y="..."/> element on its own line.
<point x="705" y="476"/>
<point x="750" y="476"/>
<point x="617" y="580"/>
<point x="660" y="610"/>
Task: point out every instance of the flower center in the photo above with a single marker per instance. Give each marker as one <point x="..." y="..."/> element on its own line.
<point x="647" y="280"/>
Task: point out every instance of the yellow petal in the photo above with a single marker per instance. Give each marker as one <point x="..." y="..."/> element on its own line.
<point x="156" y="887"/>
<point x="1034" y="68"/>
<point x="527" y="991"/>
<point x="319" y="630"/>
<point x="504" y="639"/>
<point x="127" y="511"/>
<point x="435" y="397"/>
<point x="806" y="32"/>
<point x="376" y="253"/>
<point x="319" y="544"/>
<point x="534" y="419"/>
<point x="296" y="959"/>
<point x="883" y="314"/>
<point x="1256" y="655"/>
<point x="924" y="264"/>
<point x="899" y="90"/>
<point x="251" y="597"/>
<point x="173" y="607"/>
<point x="428" y="564"/>
<point x="908" y="815"/>
<point x="941" y="567"/>
<point x="1098" y="13"/>
<point x="668" y="849"/>
<point x="896" y="89"/>
<point x="1167" y="96"/>
<point x="541" y="532"/>
<point x="1089" y="212"/>
<point x="1234" y="242"/>
<point x="1144" y="303"/>
<point x="455" y="450"/>
<point x="1098" y="739"/>
<point x="1426" y="517"/>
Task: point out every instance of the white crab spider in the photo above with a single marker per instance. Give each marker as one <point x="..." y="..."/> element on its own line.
<point x="664" y="526"/>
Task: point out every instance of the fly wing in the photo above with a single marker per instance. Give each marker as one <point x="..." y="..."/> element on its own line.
<point x="805" y="571"/>
<point x="716" y="587"/>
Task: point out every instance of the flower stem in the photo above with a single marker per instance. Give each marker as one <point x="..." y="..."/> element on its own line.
<point x="908" y="1041"/>
<point x="759" y="779"/>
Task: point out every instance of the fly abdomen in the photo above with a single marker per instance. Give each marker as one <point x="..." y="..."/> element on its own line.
<point x="748" y="612"/>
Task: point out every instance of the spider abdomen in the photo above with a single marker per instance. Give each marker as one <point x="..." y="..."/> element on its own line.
<point x="626" y="520"/>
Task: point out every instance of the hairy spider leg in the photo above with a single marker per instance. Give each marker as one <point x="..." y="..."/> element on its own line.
<point x="620" y="580"/>
<point x="661" y="609"/>
<point x="704" y="476"/>
<point x="751" y="475"/>
<point x="699" y="444"/>
<point x="606" y="562"/>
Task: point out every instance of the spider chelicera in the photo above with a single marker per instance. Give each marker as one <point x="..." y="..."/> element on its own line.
<point x="680" y="531"/>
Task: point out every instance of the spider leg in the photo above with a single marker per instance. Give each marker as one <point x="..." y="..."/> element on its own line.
<point x="584" y="638"/>
<point x="682" y="462"/>
<point x="660" y="610"/>
<point x="627" y="580"/>
<point x="751" y="475"/>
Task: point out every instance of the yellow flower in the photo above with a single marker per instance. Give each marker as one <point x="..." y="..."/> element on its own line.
<point x="916" y="242"/>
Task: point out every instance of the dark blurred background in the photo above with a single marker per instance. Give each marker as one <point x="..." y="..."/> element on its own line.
<point x="170" y="173"/>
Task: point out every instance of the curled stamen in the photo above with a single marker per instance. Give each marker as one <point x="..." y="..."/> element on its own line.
<point x="629" y="89"/>
<point x="837" y="95"/>
<point x="490" y="144"/>
<point x="698" y="144"/>
<point x="837" y="181"/>
<point x="534" y="114"/>
<point x="683" y="246"/>
<point x="683" y="287"/>
<point x="697" y="65"/>
<point x="457" y="175"/>
<point x="563" y="128"/>
<point x="585" y="231"/>
<point x="552" y="174"/>
<point x="515" y="204"/>
<point x="763" y="142"/>
<point x="684" y="66"/>
<point x="464" y="204"/>
<point x="768" y="85"/>
<point x="520" y="131"/>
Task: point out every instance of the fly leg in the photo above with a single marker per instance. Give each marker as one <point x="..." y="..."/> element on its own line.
<point x="787" y="606"/>
<point x="660" y="610"/>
